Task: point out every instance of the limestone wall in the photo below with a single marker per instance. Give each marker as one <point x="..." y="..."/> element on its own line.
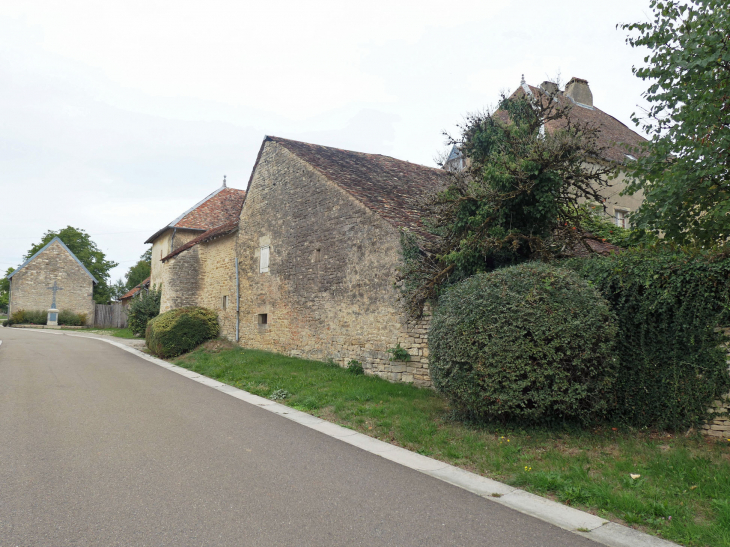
<point x="218" y="280"/>
<point x="29" y="287"/>
<point x="165" y="243"/>
<point x="328" y="292"/>
<point x="202" y="276"/>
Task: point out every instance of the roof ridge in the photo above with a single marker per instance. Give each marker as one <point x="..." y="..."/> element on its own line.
<point x="56" y="238"/>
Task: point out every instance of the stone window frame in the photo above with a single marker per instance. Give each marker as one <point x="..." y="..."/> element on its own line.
<point x="224" y="302"/>
<point x="264" y="258"/>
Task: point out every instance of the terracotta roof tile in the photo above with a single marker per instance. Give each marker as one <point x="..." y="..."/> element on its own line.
<point x="213" y="233"/>
<point x="220" y="207"/>
<point x="135" y="290"/>
<point x="392" y="188"/>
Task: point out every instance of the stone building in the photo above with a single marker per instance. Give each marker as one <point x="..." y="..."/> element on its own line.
<point x="318" y="247"/>
<point x="191" y="254"/>
<point x="53" y="275"/>
<point x="134" y="292"/>
<point x="615" y="138"/>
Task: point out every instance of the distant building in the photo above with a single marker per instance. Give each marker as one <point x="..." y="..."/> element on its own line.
<point x="53" y="277"/>
<point x="126" y="298"/>
<point x="615" y="138"/>
<point x="204" y="229"/>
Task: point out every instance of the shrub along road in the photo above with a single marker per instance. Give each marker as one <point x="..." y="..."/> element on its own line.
<point x="103" y="448"/>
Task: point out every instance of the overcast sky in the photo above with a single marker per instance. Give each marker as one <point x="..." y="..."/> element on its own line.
<point x="117" y="117"/>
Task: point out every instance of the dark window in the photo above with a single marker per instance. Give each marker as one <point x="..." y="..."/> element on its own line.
<point x="263" y="319"/>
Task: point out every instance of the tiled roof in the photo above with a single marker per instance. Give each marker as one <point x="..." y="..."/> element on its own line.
<point x="213" y="233"/>
<point x="394" y="189"/>
<point x="136" y="289"/>
<point x="613" y="136"/>
<point x="598" y="246"/>
<point x="220" y="207"/>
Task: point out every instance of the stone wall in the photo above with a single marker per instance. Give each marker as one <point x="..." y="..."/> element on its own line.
<point x="163" y="246"/>
<point x="202" y="276"/>
<point x="218" y="280"/>
<point x="719" y="425"/>
<point x="328" y="292"/>
<point x="29" y="287"/>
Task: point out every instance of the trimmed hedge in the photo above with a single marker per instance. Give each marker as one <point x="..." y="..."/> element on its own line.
<point x="532" y="342"/>
<point x="181" y="330"/>
<point x="669" y="304"/>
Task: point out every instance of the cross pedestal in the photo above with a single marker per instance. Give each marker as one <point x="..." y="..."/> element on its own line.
<point x="52" y="317"/>
<point x="53" y="312"/>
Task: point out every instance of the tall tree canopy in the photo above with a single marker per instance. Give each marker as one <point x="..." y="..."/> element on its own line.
<point x="5" y="289"/>
<point x="686" y="174"/>
<point x="519" y="197"/>
<point x="80" y="243"/>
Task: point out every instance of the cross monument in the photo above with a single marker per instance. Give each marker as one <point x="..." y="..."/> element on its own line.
<point x="53" y="312"/>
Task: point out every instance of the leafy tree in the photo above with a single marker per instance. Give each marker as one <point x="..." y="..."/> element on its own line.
<point x="80" y="243"/>
<point x="5" y="289"/>
<point x="118" y="289"/>
<point x="686" y="174"/>
<point x="518" y="199"/>
<point x="137" y="273"/>
<point x="143" y="308"/>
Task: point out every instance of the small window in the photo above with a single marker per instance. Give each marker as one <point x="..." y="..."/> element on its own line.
<point x="264" y="262"/>
<point x="263" y="318"/>
<point x="317" y="255"/>
<point x="620" y="218"/>
<point x="224" y="302"/>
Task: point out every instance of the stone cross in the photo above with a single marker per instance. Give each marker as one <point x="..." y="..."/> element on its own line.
<point x="55" y="289"/>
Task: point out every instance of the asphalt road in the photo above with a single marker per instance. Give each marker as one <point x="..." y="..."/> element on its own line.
<point x="101" y="448"/>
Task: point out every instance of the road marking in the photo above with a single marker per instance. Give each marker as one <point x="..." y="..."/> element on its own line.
<point x="600" y="530"/>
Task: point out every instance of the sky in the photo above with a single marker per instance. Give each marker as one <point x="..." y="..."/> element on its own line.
<point x="117" y="117"/>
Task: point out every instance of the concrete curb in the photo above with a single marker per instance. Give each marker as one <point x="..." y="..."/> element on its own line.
<point x="579" y="522"/>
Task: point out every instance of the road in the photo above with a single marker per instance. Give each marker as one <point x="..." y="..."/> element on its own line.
<point x="101" y="448"/>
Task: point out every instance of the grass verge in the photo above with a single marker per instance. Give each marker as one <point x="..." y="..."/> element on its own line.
<point x="680" y="488"/>
<point x="119" y="333"/>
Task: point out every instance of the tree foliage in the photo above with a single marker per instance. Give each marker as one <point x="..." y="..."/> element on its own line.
<point x="5" y="289"/>
<point x="137" y="273"/>
<point x="518" y="198"/>
<point x="80" y="244"/>
<point x="686" y="174"/>
<point x="669" y="304"/>
<point x="143" y="308"/>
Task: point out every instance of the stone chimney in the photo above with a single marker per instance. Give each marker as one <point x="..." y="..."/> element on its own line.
<point x="551" y="88"/>
<point x="578" y="90"/>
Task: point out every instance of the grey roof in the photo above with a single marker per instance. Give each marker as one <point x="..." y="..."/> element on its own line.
<point x="43" y="249"/>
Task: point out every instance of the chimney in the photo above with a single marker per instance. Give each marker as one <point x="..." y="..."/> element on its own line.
<point x="578" y="90"/>
<point x="550" y="88"/>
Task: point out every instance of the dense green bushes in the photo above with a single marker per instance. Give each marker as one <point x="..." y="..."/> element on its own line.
<point x="40" y="317"/>
<point x="669" y="305"/>
<point x="71" y="319"/>
<point x="531" y="342"/>
<point x="28" y="317"/>
<point x="143" y="308"/>
<point x="181" y="330"/>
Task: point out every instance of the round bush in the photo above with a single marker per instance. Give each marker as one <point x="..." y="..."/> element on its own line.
<point x="181" y="330"/>
<point x="532" y="342"/>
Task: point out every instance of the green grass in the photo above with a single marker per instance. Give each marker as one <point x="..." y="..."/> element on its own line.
<point x="682" y="494"/>
<point x="119" y="333"/>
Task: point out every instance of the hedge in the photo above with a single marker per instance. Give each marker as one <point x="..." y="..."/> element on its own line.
<point x="143" y="308"/>
<point x="181" y="330"/>
<point x="533" y="343"/>
<point x="669" y="305"/>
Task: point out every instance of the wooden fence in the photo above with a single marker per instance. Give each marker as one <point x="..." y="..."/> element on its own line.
<point x="110" y="315"/>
